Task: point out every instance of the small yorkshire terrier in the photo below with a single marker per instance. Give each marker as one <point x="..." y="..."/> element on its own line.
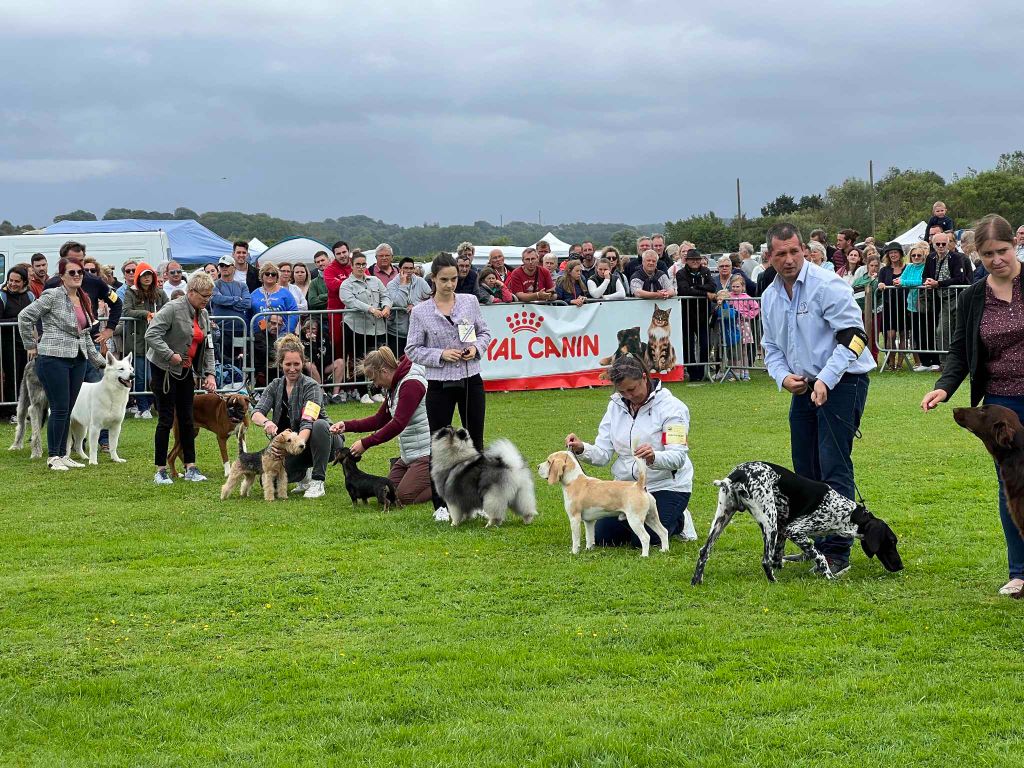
<point x="264" y="464"/>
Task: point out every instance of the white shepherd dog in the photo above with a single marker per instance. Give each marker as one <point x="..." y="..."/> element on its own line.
<point x="102" y="406"/>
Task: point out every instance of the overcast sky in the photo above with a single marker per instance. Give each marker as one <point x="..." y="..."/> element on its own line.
<point x="458" y="111"/>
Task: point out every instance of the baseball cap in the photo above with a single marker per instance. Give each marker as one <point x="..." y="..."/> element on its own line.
<point x="226" y="261"/>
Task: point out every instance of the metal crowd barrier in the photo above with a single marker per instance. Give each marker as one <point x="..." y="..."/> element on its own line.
<point x="913" y="322"/>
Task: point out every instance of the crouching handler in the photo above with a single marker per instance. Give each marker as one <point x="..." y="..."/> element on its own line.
<point x="295" y="401"/>
<point x="644" y="422"/>
<point x="403" y="414"/>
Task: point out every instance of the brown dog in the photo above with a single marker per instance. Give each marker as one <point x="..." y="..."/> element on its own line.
<point x="1003" y="435"/>
<point x="224" y="415"/>
<point x="265" y="465"/>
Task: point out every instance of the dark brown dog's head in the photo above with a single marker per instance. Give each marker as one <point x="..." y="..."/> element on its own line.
<point x="629" y="341"/>
<point x="237" y="407"/>
<point x="997" y="427"/>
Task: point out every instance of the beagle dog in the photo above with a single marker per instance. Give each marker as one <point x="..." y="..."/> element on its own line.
<point x="588" y="499"/>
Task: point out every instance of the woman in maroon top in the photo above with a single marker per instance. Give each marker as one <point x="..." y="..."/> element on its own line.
<point x="988" y="346"/>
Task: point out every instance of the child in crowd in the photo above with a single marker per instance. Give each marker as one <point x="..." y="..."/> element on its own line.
<point x="748" y="308"/>
<point x="939" y="217"/>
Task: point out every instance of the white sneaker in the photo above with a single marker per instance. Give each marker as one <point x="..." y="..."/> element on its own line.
<point x="920" y="368"/>
<point x="55" y="463"/>
<point x="71" y="463"/>
<point x="146" y="414"/>
<point x="441" y="515"/>
<point x="162" y="478"/>
<point x="315" y="490"/>
<point x="303" y="484"/>
<point x="935" y="368"/>
<point x="378" y="398"/>
<point x="366" y="399"/>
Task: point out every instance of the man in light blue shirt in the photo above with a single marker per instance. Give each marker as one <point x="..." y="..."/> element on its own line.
<point x="816" y="349"/>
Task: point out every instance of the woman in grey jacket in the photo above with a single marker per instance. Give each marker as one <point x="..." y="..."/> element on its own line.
<point x="62" y="352"/>
<point x="295" y="401"/>
<point x="179" y="343"/>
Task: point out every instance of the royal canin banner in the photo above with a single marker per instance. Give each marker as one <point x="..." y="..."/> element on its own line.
<point x="538" y="346"/>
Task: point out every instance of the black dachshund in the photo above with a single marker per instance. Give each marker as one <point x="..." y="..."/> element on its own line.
<point x="363" y="487"/>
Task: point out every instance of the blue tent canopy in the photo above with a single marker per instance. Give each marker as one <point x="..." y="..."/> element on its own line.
<point x="191" y="242"/>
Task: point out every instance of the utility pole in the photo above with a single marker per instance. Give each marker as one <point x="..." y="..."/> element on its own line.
<point x="539" y="220"/>
<point x="739" y="211"/>
<point x="871" y="181"/>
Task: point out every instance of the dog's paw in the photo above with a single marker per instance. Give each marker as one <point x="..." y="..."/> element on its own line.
<point x="118" y="460"/>
<point x="93" y="462"/>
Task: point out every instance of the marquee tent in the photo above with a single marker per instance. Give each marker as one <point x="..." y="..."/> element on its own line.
<point x="514" y="253"/>
<point x="912" y="236"/>
<point x="296" y="249"/>
<point x="257" y="246"/>
<point x="191" y="242"/>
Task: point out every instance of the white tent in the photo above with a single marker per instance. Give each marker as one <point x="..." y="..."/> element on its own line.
<point x="257" y="246"/>
<point x="293" y="249"/>
<point x="912" y="236"/>
<point x="558" y="247"/>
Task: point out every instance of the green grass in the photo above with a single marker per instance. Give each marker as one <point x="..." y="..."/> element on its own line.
<point x="159" y="626"/>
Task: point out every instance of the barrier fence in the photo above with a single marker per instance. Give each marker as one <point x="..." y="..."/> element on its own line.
<point x="710" y="340"/>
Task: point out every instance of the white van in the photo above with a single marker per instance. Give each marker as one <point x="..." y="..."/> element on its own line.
<point x="113" y="248"/>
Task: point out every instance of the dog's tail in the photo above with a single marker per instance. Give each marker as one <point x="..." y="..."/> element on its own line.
<point x="641" y="475"/>
<point x="504" y="452"/>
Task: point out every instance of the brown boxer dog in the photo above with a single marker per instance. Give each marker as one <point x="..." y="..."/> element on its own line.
<point x="224" y="415"/>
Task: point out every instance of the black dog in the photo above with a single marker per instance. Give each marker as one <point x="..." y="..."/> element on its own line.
<point x="629" y="343"/>
<point x="363" y="487"/>
<point x="788" y="506"/>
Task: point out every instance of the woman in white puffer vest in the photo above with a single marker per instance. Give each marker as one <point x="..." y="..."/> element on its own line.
<point x="403" y="414"/>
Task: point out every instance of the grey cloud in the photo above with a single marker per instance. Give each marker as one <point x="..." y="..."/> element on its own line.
<point x="634" y="111"/>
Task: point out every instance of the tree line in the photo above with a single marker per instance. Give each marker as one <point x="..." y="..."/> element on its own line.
<point x="899" y="200"/>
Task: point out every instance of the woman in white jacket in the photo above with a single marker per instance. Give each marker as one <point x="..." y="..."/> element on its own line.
<point x="644" y="422"/>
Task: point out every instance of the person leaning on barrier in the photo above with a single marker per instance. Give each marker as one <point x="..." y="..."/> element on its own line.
<point x="988" y="347"/>
<point x="531" y="282"/>
<point x="14" y="297"/>
<point x="295" y="401"/>
<point x="316" y="296"/>
<point x="405" y="292"/>
<point x="467" y="275"/>
<point x="649" y="282"/>
<point x="383" y="269"/>
<point x="231" y="299"/>
<point x="369" y="307"/>
<point x="63" y="351"/>
<point x="570" y="287"/>
<point x="643" y="422"/>
<point x="402" y="414"/>
<point x="272" y="297"/>
<point x="179" y="348"/>
<point x="944" y="269"/>
<point x="141" y="303"/>
<point x="606" y="285"/>
<point x="697" y="287"/>
<point x="490" y="290"/>
<point x="816" y="349"/>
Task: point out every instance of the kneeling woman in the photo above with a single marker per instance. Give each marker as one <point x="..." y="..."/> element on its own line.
<point x="644" y="422"/>
<point x="403" y="414"/>
<point x="294" y="401"/>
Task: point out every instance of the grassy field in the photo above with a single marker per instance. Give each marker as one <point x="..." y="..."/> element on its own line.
<point x="159" y="626"/>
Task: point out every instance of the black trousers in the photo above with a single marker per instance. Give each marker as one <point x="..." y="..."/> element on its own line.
<point x="177" y="400"/>
<point x="443" y="397"/>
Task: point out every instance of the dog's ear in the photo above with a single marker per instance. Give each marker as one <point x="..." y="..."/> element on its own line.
<point x="556" y="468"/>
<point x="1003" y="433"/>
<point x="128" y="358"/>
<point x="111" y="360"/>
<point x="874" y="533"/>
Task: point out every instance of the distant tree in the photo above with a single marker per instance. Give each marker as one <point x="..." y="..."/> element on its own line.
<point x="811" y="203"/>
<point x="624" y="240"/>
<point x="1011" y="162"/>
<point x="185" y="213"/>
<point x="78" y="215"/>
<point x="6" y="228"/>
<point x="707" y="231"/>
<point x="780" y="206"/>
<point x="500" y="240"/>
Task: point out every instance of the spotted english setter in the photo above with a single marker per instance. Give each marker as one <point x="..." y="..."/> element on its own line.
<point x="788" y="506"/>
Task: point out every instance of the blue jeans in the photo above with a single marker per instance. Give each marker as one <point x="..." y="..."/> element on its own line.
<point x="1014" y="542"/>
<point x="62" y="379"/>
<point x="612" y="532"/>
<point x="822" y="444"/>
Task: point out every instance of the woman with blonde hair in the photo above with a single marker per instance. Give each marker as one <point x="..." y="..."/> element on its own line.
<point x="295" y="401"/>
<point x="403" y="414"/>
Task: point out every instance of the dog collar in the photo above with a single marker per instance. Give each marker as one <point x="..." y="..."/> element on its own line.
<point x="860" y="516"/>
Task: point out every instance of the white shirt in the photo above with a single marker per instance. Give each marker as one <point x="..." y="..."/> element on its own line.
<point x="169" y="289"/>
